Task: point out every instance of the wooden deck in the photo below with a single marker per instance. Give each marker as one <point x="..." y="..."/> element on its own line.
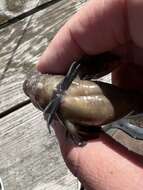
<point x="30" y="158"/>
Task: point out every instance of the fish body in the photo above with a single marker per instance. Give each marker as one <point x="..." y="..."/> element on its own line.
<point x="87" y="108"/>
<point x="85" y="103"/>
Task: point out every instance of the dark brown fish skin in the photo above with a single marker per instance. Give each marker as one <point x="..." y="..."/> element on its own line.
<point x="85" y="102"/>
<point x="96" y="66"/>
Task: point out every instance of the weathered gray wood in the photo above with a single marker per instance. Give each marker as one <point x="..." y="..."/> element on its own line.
<point x="106" y="78"/>
<point x="13" y="8"/>
<point x="30" y="158"/>
<point x="21" y="45"/>
<point x="127" y="141"/>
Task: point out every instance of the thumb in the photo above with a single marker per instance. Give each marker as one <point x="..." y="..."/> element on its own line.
<point x="99" y="26"/>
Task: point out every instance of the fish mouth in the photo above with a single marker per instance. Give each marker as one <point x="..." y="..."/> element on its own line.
<point x="29" y="85"/>
<point x="31" y="89"/>
<point x="26" y="87"/>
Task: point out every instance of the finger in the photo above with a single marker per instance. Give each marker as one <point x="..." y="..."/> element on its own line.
<point x="103" y="164"/>
<point x="135" y="15"/>
<point x="129" y="76"/>
<point x="99" y="26"/>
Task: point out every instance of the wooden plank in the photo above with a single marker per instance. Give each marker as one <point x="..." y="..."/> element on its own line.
<point x="20" y="49"/>
<point x="25" y="14"/>
<point x="106" y="78"/>
<point x="10" y="9"/>
<point x="10" y="39"/>
<point x="127" y="141"/>
<point x="30" y="158"/>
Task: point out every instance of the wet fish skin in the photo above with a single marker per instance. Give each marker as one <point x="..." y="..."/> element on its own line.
<point x="86" y="103"/>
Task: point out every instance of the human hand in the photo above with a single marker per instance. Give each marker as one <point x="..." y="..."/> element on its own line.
<point x="100" y="26"/>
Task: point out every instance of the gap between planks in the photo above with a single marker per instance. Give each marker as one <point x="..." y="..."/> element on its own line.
<point x="14" y="108"/>
<point x="28" y="13"/>
<point x="30" y="156"/>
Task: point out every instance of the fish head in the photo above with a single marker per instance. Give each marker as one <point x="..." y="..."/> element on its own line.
<point x="40" y="88"/>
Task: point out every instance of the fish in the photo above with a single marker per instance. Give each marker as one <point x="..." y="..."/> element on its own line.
<point x="86" y="105"/>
